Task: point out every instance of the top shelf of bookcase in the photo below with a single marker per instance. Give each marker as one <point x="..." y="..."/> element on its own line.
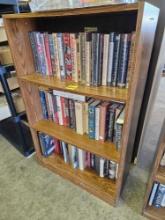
<point x="101" y="92"/>
<point x="78" y="11"/>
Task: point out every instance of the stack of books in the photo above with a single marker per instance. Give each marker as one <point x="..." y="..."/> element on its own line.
<point x="100" y="120"/>
<point x="77" y="158"/>
<point x="90" y="58"/>
<point x="157" y="197"/>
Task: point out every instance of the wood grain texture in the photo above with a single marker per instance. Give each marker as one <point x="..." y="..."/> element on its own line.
<point x="106" y="150"/>
<point x="160" y="175"/>
<point x="89" y="180"/>
<point x="145" y="33"/>
<point x="77" y="11"/>
<point x="154" y="213"/>
<point x="101" y="92"/>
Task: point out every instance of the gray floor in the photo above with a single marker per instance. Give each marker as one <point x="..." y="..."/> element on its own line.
<point x="31" y="192"/>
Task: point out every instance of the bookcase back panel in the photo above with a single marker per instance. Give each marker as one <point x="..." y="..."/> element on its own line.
<point x="117" y="22"/>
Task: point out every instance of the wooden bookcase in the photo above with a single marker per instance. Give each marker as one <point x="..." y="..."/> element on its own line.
<point x="140" y="17"/>
<point x="157" y="175"/>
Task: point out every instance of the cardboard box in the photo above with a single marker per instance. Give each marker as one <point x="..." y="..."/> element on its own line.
<point x="12" y="82"/>
<point x="5" y="55"/>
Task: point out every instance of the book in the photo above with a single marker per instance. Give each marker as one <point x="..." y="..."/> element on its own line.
<point x="95" y="81"/>
<point x="47" y="144"/>
<point x="97" y="122"/>
<point x="52" y="53"/>
<point x="100" y="59"/>
<point x="111" y="121"/>
<point x="65" y="152"/>
<point x="57" y="62"/>
<point x="72" y="117"/>
<point x="67" y="55"/>
<point x="105" y="60"/>
<point x="70" y="95"/>
<point x="91" y="119"/>
<point x="110" y="58"/>
<point x="34" y="51"/>
<point x="153" y="192"/>
<point x="118" y="129"/>
<point x="123" y="59"/>
<point x="79" y="113"/>
<point x="73" y="46"/>
<point x="65" y="112"/>
<point x="163" y="201"/>
<point x="60" y="47"/>
<point x="88" y="51"/>
<point x="59" y="109"/>
<point x="103" y="120"/>
<point x="43" y="104"/>
<point x="82" y="57"/>
<point x="73" y="155"/>
<point x="117" y="38"/>
<point x="50" y="105"/>
<point x="81" y="159"/>
<point x="55" y="109"/>
<point x="78" y="56"/>
<point x="47" y="53"/>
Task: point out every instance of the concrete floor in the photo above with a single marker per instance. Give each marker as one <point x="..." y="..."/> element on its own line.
<point x="31" y="192"/>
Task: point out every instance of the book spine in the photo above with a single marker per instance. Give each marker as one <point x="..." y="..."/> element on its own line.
<point x="152" y="196"/>
<point x="123" y="59"/>
<point x="85" y="104"/>
<point x="94" y="43"/>
<point x="42" y="38"/>
<point x="100" y="59"/>
<point x="57" y="62"/>
<point x="72" y="117"/>
<point x="105" y="60"/>
<point x="73" y="154"/>
<point x="163" y="201"/>
<point x="115" y="59"/>
<point x="62" y="99"/>
<point x="50" y="103"/>
<point x="34" y="51"/>
<point x="112" y="170"/>
<point x="48" y="107"/>
<point x="69" y="95"/>
<point x="111" y="124"/>
<point x="103" y="114"/>
<point x="97" y="122"/>
<point x="131" y="64"/>
<point x="81" y="159"/>
<point x="42" y="143"/>
<point x="92" y="161"/>
<point x="59" y="108"/>
<point x="96" y="72"/>
<point x="88" y="49"/>
<point x="67" y="55"/>
<point x="65" y="152"/>
<point x="88" y="159"/>
<point x="52" y="53"/>
<point x="61" y="56"/>
<point x="110" y="59"/>
<point x="73" y="46"/>
<point x="40" y="52"/>
<point x="82" y="57"/>
<point x="43" y="104"/>
<point x="79" y="117"/>
<point x="78" y="56"/>
<point x="57" y="147"/>
<point x="97" y="164"/>
<point x="66" y="110"/>
<point x="56" y="119"/>
<point x="91" y="122"/>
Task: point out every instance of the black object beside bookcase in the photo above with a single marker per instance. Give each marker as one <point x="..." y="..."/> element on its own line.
<point x="100" y="94"/>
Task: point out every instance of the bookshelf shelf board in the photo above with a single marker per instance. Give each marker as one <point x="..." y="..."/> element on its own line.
<point x="87" y="179"/>
<point x="106" y="150"/>
<point x="154" y="213"/>
<point x="78" y="11"/>
<point x="102" y="92"/>
<point x="160" y="176"/>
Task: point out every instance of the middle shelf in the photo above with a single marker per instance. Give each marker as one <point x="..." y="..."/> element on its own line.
<point x="106" y="150"/>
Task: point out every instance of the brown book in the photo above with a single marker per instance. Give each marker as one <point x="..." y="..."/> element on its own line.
<point x="103" y="116"/>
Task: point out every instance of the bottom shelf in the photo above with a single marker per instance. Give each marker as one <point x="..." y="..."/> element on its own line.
<point x="89" y="180"/>
<point x="154" y="213"/>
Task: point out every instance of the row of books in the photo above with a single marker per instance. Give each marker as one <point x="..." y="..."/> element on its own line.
<point x="77" y="158"/>
<point x="100" y="120"/>
<point x="91" y="58"/>
<point x="157" y="197"/>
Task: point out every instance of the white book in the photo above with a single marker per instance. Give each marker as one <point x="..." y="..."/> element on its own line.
<point x="163" y="201"/>
<point x="105" y="59"/>
<point x="102" y="161"/>
<point x="61" y="55"/>
<point x="154" y="189"/>
<point x="58" y="73"/>
<point x="59" y="107"/>
<point x="50" y="101"/>
<point x="81" y="159"/>
<point x="88" y="58"/>
<point x="117" y="168"/>
<point x="70" y="95"/>
<point x="79" y="113"/>
<point x="97" y="123"/>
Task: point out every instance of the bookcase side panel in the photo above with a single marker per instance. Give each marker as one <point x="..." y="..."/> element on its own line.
<point x="145" y="33"/>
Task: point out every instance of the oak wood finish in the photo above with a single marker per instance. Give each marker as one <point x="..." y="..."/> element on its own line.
<point x="157" y="174"/>
<point x="144" y="20"/>
<point x="103" y="149"/>
<point x="102" y="92"/>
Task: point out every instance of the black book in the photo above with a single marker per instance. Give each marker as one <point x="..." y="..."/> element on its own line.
<point x="100" y="61"/>
<point x="35" y="53"/>
<point x="94" y="43"/>
<point x="72" y="117"/>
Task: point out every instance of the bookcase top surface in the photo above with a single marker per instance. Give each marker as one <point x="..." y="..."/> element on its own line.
<point x="77" y="11"/>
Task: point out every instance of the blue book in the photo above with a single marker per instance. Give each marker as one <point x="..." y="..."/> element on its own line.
<point x="159" y="196"/>
<point x="91" y="119"/>
<point x="43" y="104"/>
<point x="47" y="144"/>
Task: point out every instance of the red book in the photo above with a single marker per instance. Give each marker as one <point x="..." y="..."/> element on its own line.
<point x="103" y="118"/>
<point x="47" y="50"/>
<point x="67" y="55"/>
<point x="62" y="99"/>
<point x="57" y="146"/>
